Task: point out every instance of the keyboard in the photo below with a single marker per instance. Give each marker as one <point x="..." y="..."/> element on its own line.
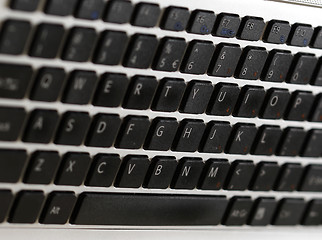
<point x="160" y="114"/>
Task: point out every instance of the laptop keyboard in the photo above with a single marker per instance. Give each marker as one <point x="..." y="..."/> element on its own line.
<point x="123" y="146"/>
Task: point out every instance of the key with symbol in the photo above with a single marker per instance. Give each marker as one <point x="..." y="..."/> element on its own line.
<point x="239" y="175"/>
<point x="262" y="211"/>
<point x="302" y="68"/>
<point x="277" y="66"/>
<point x="175" y="19"/>
<point x="289" y="211"/>
<point x="265" y="176"/>
<point x="13" y="37"/>
<point x="169" y="54"/>
<point x="313" y="213"/>
<point x="238" y="211"/>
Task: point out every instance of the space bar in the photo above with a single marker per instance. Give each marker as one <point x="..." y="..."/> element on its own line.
<point x="148" y="209"/>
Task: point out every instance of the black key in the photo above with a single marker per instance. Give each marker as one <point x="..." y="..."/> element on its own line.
<point x="11" y="121"/>
<point x="215" y="137"/>
<point x="289" y="212"/>
<point x="262" y="212"/>
<point x="188" y="136"/>
<point x="188" y="173"/>
<point x="111" y="90"/>
<point x="302" y="68"/>
<point x="175" y="19"/>
<point x="132" y="132"/>
<point x="58" y="208"/>
<point x="140" y="92"/>
<point x="316" y="113"/>
<point x="73" y="169"/>
<point x="277" y="66"/>
<point x="266" y="140"/>
<point x="201" y="22"/>
<point x="168" y="95"/>
<point x="317" y="75"/>
<point x="251" y="28"/>
<point x="251" y="63"/>
<point x="226" y="25"/>
<point x="265" y="176"/>
<point x="13" y="36"/>
<point x="289" y="177"/>
<point x="26" y="207"/>
<point x="80" y="87"/>
<point x="160" y="173"/>
<point x="275" y="103"/>
<point x="41" y="126"/>
<point x="223" y="99"/>
<point x="6" y="198"/>
<point x="146" y="15"/>
<point x="110" y="48"/>
<point x="103" y="170"/>
<point x="291" y="142"/>
<point x="161" y="134"/>
<point x="239" y="175"/>
<point x="241" y="139"/>
<point x="214" y="174"/>
<point x="103" y="130"/>
<point x="225" y="59"/>
<point x="14" y="80"/>
<point x="24" y="5"/>
<point x="300" y="35"/>
<point x="312" y="146"/>
<point x="299" y="106"/>
<point x="196" y="97"/>
<point x="238" y="211"/>
<point x="118" y="11"/>
<point x="317" y="38"/>
<point x="79" y="44"/>
<point x="42" y="167"/>
<point x="132" y="171"/>
<point x="197" y="57"/>
<point x="313" y="213"/>
<point x="311" y="181"/>
<point x="72" y="128"/>
<point x="47" y="40"/>
<point x="169" y="54"/>
<point x="90" y="9"/>
<point x="48" y="84"/>
<point x="277" y="32"/>
<point x="140" y="51"/>
<point x="12" y="162"/>
<point x="60" y="7"/>
<point x="250" y="101"/>
<point x="141" y="210"/>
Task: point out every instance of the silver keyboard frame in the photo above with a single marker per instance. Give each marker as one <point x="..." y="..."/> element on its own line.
<point x="262" y="8"/>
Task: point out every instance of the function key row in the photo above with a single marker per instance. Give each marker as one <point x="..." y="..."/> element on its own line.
<point x="170" y="54"/>
<point x="168" y="95"/>
<point x="172" y="210"/>
<point x="176" y="18"/>
<point x="161" y="134"/>
<point x="160" y="172"/>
